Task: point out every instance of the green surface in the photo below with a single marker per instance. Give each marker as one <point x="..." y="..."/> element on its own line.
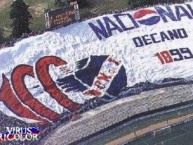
<point x="177" y="135"/>
<point x="38" y="20"/>
<point x="166" y="136"/>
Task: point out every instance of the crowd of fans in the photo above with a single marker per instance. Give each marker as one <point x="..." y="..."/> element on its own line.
<point x="88" y="105"/>
<point x="7" y="121"/>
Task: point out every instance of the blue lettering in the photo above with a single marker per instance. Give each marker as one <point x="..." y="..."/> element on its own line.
<point x="190" y="8"/>
<point x="182" y="33"/>
<point x="184" y="12"/>
<point x="164" y="36"/>
<point x="108" y="23"/>
<point x="173" y="34"/>
<point x="99" y="30"/>
<point x="163" y="13"/>
<point x="146" y="40"/>
<point x="138" y="42"/>
<point x="153" y="38"/>
<point x="133" y="20"/>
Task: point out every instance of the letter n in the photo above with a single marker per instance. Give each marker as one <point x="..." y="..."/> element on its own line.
<point x="99" y="31"/>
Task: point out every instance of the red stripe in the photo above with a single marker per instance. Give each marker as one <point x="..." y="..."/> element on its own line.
<point x="139" y="14"/>
<point x="42" y="70"/>
<point x="26" y="97"/>
<point x="9" y="99"/>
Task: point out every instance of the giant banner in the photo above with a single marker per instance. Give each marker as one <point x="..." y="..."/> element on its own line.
<point x="46" y="75"/>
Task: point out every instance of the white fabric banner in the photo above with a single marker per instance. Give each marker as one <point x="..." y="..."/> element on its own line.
<point x="148" y="44"/>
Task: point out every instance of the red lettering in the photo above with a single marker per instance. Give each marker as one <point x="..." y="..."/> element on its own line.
<point x="166" y="56"/>
<point x="104" y="77"/>
<point x="42" y="70"/>
<point x="92" y="92"/>
<point x="99" y="85"/>
<point x="160" y="58"/>
<point x="10" y="100"/>
<point x="18" y="76"/>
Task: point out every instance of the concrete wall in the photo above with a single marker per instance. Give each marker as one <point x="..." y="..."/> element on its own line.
<point x="107" y="115"/>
